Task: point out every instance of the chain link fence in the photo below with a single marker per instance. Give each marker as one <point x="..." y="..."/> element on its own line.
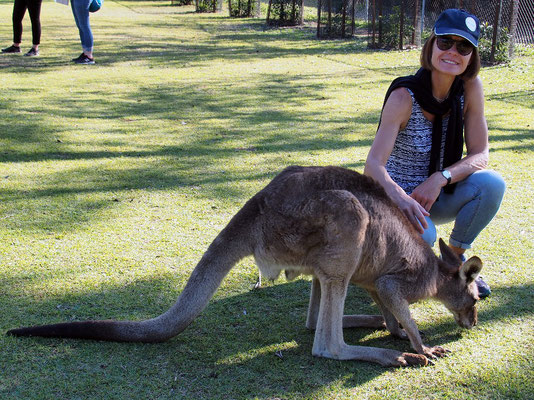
<point x="404" y="23"/>
<point x="336" y="18"/>
<point x="525" y="22"/>
<point x="285" y="12"/>
<point x="398" y="24"/>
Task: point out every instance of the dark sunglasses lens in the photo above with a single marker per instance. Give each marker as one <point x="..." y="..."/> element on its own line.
<point x="462" y="46"/>
<point x="444" y="43"/>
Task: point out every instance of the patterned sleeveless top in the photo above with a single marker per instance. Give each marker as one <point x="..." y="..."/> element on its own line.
<point x="410" y="158"/>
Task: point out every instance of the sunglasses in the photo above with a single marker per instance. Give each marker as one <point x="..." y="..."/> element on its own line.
<point x="463" y="47"/>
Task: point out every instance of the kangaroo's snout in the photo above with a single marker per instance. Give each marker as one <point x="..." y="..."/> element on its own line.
<point x="466" y="319"/>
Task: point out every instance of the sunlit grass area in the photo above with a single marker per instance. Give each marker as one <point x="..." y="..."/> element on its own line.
<point x="114" y="179"/>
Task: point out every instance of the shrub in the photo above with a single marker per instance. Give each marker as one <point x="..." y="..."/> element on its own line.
<point x="391" y="29"/>
<point x="501" y="48"/>
<point x="181" y="2"/>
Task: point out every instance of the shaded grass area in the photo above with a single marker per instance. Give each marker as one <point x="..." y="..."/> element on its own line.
<point x="115" y="178"/>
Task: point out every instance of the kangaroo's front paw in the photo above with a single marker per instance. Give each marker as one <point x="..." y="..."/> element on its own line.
<point x="435" y="352"/>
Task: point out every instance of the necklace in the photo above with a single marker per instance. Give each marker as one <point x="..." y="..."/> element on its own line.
<point x="442" y="99"/>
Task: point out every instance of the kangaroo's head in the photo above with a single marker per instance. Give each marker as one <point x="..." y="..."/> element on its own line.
<point x="458" y="290"/>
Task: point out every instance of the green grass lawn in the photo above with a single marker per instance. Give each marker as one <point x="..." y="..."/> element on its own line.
<point x="114" y="179"/>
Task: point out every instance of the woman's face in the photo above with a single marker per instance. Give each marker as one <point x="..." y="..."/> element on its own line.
<point x="450" y="61"/>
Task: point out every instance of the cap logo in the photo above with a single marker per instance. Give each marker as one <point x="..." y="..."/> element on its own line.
<point x="471" y="24"/>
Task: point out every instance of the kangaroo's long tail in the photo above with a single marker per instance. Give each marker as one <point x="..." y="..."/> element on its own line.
<point x="232" y="244"/>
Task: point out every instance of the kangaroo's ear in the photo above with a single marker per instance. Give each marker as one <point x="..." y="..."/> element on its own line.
<point x="447" y="255"/>
<point x="470" y="269"/>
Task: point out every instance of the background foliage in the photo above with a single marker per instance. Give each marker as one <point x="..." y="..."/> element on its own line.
<point x="114" y="178"/>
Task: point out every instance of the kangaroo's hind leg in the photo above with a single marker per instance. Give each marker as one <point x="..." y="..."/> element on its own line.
<point x="349" y="321"/>
<point x="313" y="306"/>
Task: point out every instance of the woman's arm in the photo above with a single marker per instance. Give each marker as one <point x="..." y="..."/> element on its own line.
<point x="395" y="116"/>
<point x="476" y="140"/>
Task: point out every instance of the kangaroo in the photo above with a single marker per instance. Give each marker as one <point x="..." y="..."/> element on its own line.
<point x="338" y="226"/>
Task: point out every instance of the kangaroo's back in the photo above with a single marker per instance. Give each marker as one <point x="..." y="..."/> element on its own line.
<point x="391" y="245"/>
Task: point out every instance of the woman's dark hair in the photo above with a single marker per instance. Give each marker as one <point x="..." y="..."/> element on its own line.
<point x="470" y="72"/>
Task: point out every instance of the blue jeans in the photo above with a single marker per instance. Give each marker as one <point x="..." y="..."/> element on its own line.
<point x="80" y="10"/>
<point x="472" y="206"/>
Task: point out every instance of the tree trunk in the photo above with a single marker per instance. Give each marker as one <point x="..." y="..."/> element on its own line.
<point x="416" y="37"/>
<point x="401" y="28"/>
<point x="343" y="16"/>
<point x="380" y="36"/>
<point x="513" y="26"/>
<point x="319" y="5"/>
<point x="269" y="11"/>
<point x="373" y="24"/>
<point x="329" y="23"/>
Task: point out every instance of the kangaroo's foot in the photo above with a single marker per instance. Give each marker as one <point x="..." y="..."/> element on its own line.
<point x="413" y="360"/>
<point x="384" y="357"/>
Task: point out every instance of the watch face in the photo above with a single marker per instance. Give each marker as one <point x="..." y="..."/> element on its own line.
<point x="446" y="174"/>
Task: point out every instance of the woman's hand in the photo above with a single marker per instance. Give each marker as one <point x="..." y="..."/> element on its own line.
<point x="427" y="192"/>
<point x="414" y="211"/>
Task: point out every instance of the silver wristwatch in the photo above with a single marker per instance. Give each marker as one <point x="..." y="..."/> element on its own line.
<point x="447" y="175"/>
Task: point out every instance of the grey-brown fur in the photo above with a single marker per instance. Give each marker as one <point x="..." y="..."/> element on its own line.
<point x="338" y="226"/>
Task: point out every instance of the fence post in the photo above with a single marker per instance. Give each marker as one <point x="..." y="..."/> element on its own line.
<point x="495" y="30"/>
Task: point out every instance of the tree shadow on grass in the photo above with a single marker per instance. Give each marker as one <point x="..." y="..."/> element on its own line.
<point x="519" y="141"/>
<point x="270" y="129"/>
<point x="522" y="98"/>
<point x="201" y="54"/>
<point x="516" y="138"/>
<point x="228" y="40"/>
<point x="223" y="131"/>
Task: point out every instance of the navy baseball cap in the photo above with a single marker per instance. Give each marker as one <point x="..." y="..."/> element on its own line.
<point x="460" y="23"/>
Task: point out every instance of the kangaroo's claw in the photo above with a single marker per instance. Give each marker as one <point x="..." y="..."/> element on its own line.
<point x="432" y="353"/>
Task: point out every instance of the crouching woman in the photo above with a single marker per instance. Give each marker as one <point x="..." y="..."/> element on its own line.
<point x="417" y="154"/>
